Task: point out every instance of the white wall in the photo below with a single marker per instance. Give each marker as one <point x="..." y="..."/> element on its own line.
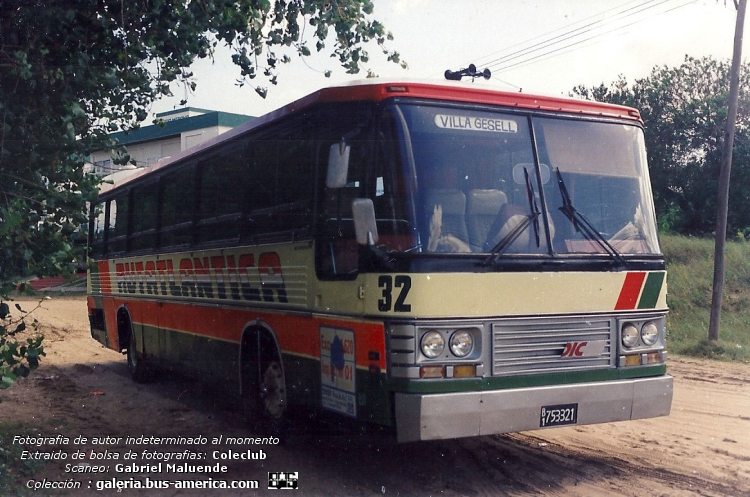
<point x="195" y="136"/>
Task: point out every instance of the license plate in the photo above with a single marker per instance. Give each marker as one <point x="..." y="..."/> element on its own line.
<point x="559" y="415"/>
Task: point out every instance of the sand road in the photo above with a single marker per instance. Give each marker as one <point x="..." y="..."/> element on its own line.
<point x="83" y="389"/>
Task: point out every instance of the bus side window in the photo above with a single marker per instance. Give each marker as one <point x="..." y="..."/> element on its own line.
<point x="97" y="229"/>
<point x="176" y="208"/>
<point x="294" y="192"/>
<point x="144" y="217"/>
<point x="118" y="224"/>
<point x="281" y="193"/>
<point x="262" y="188"/>
<point x="221" y="196"/>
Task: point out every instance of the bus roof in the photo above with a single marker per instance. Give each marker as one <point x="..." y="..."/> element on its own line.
<point x="375" y="90"/>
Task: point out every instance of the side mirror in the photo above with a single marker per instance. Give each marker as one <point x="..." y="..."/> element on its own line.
<point x="338" y="165"/>
<point x="365" y="226"/>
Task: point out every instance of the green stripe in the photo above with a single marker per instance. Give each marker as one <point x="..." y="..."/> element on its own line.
<point x="639" y="372"/>
<point x="651" y="290"/>
<point x="98" y="301"/>
<point x="217" y="361"/>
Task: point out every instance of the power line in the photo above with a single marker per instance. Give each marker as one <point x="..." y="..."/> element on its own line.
<point x="576" y="32"/>
<point x="549" y="41"/>
<point x="564" y="36"/>
<point x="527" y="41"/>
<point x="553" y="53"/>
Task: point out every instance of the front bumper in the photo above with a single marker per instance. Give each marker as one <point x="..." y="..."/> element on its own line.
<point x="467" y="414"/>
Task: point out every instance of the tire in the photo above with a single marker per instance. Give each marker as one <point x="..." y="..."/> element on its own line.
<point x="265" y="399"/>
<point x="137" y="365"/>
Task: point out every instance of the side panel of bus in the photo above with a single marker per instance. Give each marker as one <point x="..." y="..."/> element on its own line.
<point x="193" y="320"/>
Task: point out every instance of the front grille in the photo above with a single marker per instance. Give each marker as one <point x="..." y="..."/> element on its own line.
<point x="536" y="345"/>
<point x="402" y="349"/>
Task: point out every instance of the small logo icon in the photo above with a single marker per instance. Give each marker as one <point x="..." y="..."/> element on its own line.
<point x="282" y="480"/>
<point x="573" y="349"/>
<point x="584" y="349"/>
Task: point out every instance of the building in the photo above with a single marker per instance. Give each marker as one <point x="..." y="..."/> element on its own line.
<point x="181" y="129"/>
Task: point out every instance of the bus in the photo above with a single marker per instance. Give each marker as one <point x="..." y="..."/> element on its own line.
<point x="441" y="259"/>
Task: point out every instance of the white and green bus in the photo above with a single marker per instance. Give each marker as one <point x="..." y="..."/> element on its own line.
<point x="442" y="259"/>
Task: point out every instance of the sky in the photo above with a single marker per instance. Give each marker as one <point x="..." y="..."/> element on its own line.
<point x="541" y="46"/>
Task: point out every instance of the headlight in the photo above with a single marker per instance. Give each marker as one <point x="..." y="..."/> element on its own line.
<point x="650" y="333"/>
<point x="461" y="343"/>
<point x="629" y="335"/>
<point x="433" y="344"/>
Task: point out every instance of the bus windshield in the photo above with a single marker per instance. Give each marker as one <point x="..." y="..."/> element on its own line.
<point x="507" y="183"/>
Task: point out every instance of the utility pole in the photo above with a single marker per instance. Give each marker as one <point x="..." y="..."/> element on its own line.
<point x="726" y="166"/>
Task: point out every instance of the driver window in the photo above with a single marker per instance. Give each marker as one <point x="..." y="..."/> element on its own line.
<point x="337" y="250"/>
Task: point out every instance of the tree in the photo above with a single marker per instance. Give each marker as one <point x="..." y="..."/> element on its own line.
<point x="71" y="72"/>
<point x="684" y="110"/>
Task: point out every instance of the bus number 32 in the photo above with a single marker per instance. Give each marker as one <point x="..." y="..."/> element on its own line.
<point x="386" y="283"/>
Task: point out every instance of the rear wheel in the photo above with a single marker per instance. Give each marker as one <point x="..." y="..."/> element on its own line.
<point x="137" y="366"/>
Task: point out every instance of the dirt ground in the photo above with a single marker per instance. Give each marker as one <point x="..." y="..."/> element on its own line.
<point x="703" y="447"/>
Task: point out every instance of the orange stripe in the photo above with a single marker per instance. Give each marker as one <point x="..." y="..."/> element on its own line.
<point x="296" y="334"/>
<point x="110" y="318"/>
<point x="90" y="304"/>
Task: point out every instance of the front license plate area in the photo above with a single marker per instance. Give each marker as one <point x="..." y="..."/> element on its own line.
<point x="559" y="415"/>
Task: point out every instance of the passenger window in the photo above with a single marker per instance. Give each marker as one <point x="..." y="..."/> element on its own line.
<point x="264" y="173"/>
<point x="222" y="196"/>
<point x="144" y="217"/>
<point x="97" y="229"/>
<point x="296" y="162"/>
<point x="281" y="190"/>
<point x="176" y="208"/>
<point x="118" y="223"/>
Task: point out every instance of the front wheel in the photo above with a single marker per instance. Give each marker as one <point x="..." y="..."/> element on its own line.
<point x="266" y="399"/>
<point x="272" y="393"/>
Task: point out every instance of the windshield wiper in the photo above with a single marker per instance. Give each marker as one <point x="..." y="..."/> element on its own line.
<point x="583" y="225"/>
<point x="532" y="218"/>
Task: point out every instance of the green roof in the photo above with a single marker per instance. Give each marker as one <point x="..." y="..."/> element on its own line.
<point x="178" y="126"/>
<point x="184" y="109"/>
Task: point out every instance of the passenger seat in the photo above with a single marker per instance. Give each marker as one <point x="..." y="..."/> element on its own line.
<point x="482" y="210"/>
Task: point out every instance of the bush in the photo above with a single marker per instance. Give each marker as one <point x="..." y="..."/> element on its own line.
<point x="17" y="359"/>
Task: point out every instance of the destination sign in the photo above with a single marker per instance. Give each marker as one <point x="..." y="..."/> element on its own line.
<point x="471" y="123"/>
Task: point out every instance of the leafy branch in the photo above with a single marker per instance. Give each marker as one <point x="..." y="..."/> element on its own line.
<point x="17" y="357"/>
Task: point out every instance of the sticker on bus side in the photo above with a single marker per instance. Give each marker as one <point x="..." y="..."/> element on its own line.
<point x="224" y="277"/>
<point x="338" y="369"/>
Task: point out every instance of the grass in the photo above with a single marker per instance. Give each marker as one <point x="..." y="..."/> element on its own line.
<point x="690" y="268"/>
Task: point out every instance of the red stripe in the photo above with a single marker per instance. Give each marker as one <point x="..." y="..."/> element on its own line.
<point x="630" y="291"/>
<point x="296" y="334"/>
